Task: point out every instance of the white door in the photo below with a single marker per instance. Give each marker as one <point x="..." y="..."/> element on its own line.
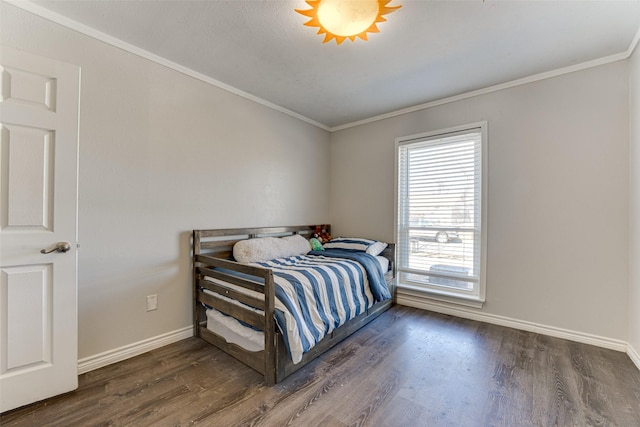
<point x="38" y="209"/>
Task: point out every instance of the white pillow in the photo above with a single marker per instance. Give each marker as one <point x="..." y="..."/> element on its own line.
<point x="267" y="248"/>
<point x="377" y="248"/>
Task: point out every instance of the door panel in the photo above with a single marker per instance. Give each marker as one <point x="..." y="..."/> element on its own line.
<point x="28" y="172"/>
<point x="29" y="88"/>
<point x="38" y="186"/>
<point x="27" y="292"/>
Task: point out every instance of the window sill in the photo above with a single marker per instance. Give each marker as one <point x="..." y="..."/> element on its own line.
<point x="442" y="296"/>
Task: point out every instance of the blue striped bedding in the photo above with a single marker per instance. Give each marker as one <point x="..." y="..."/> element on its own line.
<point x="320" y="291"/>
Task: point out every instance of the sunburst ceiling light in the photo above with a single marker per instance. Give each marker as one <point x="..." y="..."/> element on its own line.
<point x="346" y="19"/>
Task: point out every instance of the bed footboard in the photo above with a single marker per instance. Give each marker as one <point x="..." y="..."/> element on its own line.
<point x="205" y="266"/>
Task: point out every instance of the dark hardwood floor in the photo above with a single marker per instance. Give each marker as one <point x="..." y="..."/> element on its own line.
<point x="407" y="368"/>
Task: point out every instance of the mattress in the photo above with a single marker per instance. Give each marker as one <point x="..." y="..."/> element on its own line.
<point x="233" y="331"/>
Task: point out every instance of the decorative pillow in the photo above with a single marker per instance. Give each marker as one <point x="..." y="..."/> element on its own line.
<point x="377" y="248"/>
<point x="372" y="247"/>
<point x="266" y="248"/>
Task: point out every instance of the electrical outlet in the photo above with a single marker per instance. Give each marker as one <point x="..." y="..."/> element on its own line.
<point x="152" y="302"/>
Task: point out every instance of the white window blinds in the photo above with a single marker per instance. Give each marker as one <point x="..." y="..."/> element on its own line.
<point x="440" y="213"/>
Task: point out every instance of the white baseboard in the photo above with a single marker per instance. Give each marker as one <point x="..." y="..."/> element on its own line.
<point x="634" y="355"/>
<point x="458" y="311"/>
<point x="119" y="354"/>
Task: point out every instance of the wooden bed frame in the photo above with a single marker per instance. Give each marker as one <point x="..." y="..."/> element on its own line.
<point x="214" y="249"/>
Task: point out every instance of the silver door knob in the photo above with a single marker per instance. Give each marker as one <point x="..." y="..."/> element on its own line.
<point x="60" y="247"/>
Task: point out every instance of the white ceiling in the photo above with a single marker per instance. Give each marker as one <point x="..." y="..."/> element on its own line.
<point x="428" y="50"/>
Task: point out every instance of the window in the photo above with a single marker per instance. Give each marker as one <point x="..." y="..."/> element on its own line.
<point x="440" y="212"/>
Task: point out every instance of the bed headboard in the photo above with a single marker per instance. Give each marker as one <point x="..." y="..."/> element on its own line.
<point x="219" y="242"/>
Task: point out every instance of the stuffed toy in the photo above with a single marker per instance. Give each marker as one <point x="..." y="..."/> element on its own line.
<point x="315" y="244"/>
<point x="321" y="233"/>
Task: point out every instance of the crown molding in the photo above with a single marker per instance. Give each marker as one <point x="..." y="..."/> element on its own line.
<point x="523" y="81"/>
<point x="490" y="89"/>
<point x="49" y="15"/>
<point x="45" y="13"/>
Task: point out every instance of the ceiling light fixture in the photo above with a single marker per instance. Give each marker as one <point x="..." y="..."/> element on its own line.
<point x="346" y="19"/>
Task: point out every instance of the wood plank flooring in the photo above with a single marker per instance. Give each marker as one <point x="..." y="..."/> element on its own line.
<point x="407" y="368"/>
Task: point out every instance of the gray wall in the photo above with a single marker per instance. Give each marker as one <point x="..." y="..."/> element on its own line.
<point x="162" y="154"/>
<point x="557" y="202"/>
<point x="634" y="201"/>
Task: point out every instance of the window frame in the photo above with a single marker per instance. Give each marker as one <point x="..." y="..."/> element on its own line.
<point x="443" y="294"/>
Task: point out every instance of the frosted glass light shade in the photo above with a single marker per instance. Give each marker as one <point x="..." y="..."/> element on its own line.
<point x="346" y="19"/>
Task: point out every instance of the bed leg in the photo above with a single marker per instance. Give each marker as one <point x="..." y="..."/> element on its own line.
<point x="196" y="305"/>
<point x="270" y="362"/>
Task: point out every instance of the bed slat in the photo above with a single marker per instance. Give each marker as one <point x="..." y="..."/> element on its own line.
<point x="226" y="245"/>
<point x="238" y="281"/>
<point x="231" y="265"/>
<point x="243" y="314"/>
<point x="257" y="231"/>
<point x="233" y="294"/>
